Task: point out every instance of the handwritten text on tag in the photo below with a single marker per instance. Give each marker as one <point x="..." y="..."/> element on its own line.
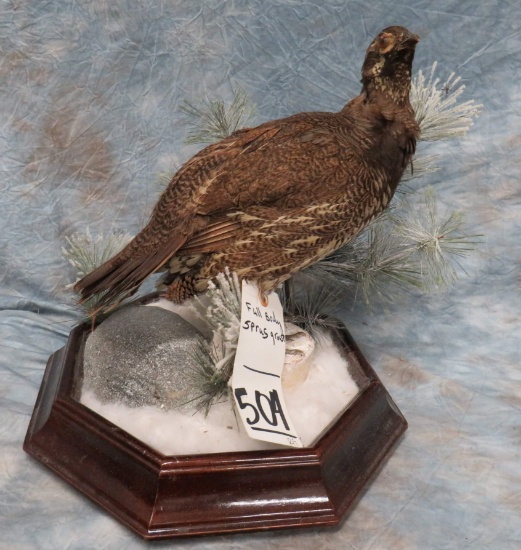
<point x="257" y="371"/>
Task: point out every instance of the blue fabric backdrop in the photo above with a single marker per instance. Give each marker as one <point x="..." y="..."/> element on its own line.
<point x="90" y="94"/>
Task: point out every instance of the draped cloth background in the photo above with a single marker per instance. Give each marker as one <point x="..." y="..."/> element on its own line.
<point x="90" y="119"/>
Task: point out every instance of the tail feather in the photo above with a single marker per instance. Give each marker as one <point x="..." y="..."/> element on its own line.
<point x="118" y="279"/>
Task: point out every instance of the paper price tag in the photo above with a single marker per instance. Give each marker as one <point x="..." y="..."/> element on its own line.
<point x="257" y="371"/>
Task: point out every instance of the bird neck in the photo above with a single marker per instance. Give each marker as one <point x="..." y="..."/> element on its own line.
<point x="394" y="89"/>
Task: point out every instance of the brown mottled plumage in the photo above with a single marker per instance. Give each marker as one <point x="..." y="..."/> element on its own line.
<point x="269" y="201"/>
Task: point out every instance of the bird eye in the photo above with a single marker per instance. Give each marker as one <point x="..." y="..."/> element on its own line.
<point x="387" y="42"/>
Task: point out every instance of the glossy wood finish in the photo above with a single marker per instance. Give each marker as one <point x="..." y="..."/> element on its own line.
<point x="161" y="496"/>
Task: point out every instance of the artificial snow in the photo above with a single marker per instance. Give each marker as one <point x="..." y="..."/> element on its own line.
<point x="313" y="406"/>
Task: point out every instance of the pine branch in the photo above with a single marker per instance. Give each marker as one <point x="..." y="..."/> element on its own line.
<point x="86" y="253"/>
<point x="309" y="307"/>
<point x="213" y="120"/>
<point x="410" y="247"/>
<point x="436" y="241"/>
<point x="376" y="266"/>
<point x="213" y="363"/>
<point x="437" y="112"/>
<point x="210" y="382"/>
<point x="420" y="166"/>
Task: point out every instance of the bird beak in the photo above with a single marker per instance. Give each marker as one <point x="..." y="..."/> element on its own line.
<point x="413" y="38"/>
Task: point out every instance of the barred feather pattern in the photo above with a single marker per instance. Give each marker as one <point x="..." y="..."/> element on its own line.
<point x="268" y="201"/>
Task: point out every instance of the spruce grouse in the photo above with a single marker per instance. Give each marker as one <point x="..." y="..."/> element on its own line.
<point x="269" y="201"/>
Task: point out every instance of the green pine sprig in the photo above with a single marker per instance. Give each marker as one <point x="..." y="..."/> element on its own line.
<point x="213" y="119"/>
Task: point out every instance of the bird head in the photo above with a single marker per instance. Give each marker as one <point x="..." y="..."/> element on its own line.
<point x="388" y="62"/>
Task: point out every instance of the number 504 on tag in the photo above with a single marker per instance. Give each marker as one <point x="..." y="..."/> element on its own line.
<point x="257" y="371"/>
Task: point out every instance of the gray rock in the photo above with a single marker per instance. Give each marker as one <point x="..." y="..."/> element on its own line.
<point x="141" y="355"/>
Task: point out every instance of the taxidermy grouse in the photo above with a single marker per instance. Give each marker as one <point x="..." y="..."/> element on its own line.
<point x="269" y="201"/>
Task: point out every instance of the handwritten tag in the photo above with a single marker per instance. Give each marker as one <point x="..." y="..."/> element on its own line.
<point x="257" y="371"/>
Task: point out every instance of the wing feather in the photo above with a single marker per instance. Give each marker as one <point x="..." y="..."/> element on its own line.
<point x="252" y="167"/>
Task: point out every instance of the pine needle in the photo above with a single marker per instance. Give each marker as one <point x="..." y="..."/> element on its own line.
<point x="213" y="362"/>
<point x="435" y="240"/>
<point x="410" y="247"/>
<point x="86" y="253"/>
<point x="213" y="120"/>
<point x="421" y="165"/>
<point x="437" y="112"/>
<point x="309" y="306"/>
<point x="210" y="382"/>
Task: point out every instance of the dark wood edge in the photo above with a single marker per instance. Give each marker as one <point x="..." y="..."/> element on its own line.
<point x="136" y="483"/>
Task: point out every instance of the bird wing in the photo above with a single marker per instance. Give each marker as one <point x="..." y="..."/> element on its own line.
<point x="276" y="166"/>
<point x="165" y="234"/>
<point x="259" y="166"/>
<point x="270" y="163"/>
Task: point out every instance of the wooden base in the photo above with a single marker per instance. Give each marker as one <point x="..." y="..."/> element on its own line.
<point x="161" y="496"/>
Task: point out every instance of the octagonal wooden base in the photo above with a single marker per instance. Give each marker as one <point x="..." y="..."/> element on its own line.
<point x="161" y="496"/>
